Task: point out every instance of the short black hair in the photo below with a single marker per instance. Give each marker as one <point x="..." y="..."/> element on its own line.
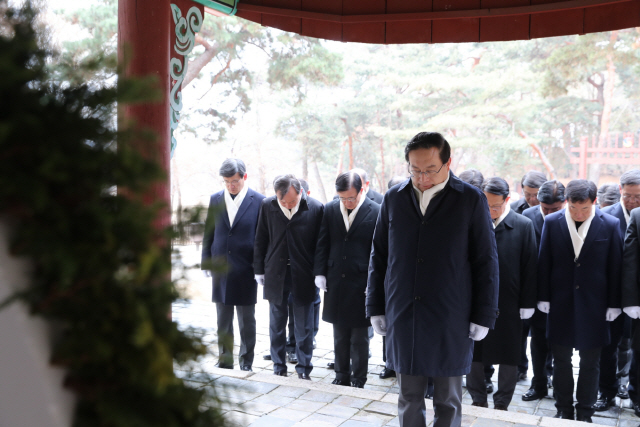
<point x="631" y="177"/>
<point x="551" y="192"/>
<point x="580" y="190"/>
<point x="347" y="180"/>
<point x="473" y="177"/>
<point x="395" y="181"/>
<point x="497" y="186"/>
<point x="231" y="167"/>
<point x="533" y="179"/>
<point x="305" y="185"/>
<point x="363" y="174"/>
<point x="608" y="194"/>
<point x="283" y="183"/>
<point x="429" y="140"/>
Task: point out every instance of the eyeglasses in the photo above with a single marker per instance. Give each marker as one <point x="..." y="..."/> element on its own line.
<point x="631" y="197"/>
<point x="497" y="207"/>
<point x="348" y="199"/>
<point x="527" y="194"/>
<point x="427" y="174"/>
<point x="234" y="182"/>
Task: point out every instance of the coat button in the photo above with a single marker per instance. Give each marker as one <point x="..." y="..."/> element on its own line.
<point x="577" y="286"/>
<point x="229" y="252"/>
<point x="343" y="275"/>
<point x="578" y="264"/>
<point x="420" y="260"/>
<point x="423" y="223"/>
<point x="417" y="298"/>
<point x="344" y="257"/>
<point x="346" y="238"/>
<point x="230" y="234"/>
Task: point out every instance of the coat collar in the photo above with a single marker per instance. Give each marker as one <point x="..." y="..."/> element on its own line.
<point x="508" y="221"/>
<point x="248" y="199"/>
<point x="361" y="214"/>
<point x="596" y="224"/>
<point x="454" y="183"/>
<point x="304" y="206"/>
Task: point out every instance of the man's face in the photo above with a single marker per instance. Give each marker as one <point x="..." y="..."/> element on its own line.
<point x="291" y="199"/>
<point x="497" y="204"/>
<point x="580" y="211"/>
<point x="351" y="197"/>
<point x="235" y="183"/>
<point x="427" y="160"/>
<point x="531" y="195"/>
<point x="631" y="196"/>
<point x="551" y="208"/>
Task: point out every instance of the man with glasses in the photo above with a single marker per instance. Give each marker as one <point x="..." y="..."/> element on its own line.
<point x="433" y="280"/>
<point x="579" y="266"/>
<point x="229" y="235"/>
<point x="614" y="360"/>
<point x="530" y="183"/>
<point x="341" y="265"/>
<point x="284" y="252"/>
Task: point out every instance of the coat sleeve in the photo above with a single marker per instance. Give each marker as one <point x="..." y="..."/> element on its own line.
<point x="207" y="239"/>
<point x="614" y="267"/>
<point x="261" y="243"/>
<point x="375" y="301"/>
<point x="529" y="269"/>
<point x="544" y="264"/>
<point x="483" y="257"/>
<point x="631" y="262"/>
<point x="322" y="248"/>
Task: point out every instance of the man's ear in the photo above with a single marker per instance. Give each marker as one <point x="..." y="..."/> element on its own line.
<point x="245" y="176"/>
<point x="507" y="199"/>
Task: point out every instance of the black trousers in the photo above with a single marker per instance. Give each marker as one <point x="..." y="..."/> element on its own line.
<point x="351" y="347"/>
<point x="614" y="355"/>
<point x="541" y="359"/>
<point x="523" y="366"/>
<point x="291" y="338"/>
<point x="587" y="389"/>
<point x="247" y="326"/>
<point x="507" y="379"/>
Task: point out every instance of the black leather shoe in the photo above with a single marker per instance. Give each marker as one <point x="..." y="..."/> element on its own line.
<point x="489" y="385"/>
<point x="266" y="356"/>
<point x="292" y="358"/>
<point x="280" y="373"/>
<point x="246" y="368"/>
<point x="223" y="365"/>
<point x="584" y="419"/>
<point x="522" y="376"/>
<point x="331" y="365"/>
<point x="531" y="394"/>
<point x="636" y="409"/>
<point x="499" y="407"/>
<point x="604" y="403"/>
<point x="357" y="384"/>
<point x="564" y="415"/>
<point x="623" y="393"/>
<point x="341" y="382"/>
<point x="480" y="405"/>
<point x="387" y="373"/>
<point x="304" y="377"/>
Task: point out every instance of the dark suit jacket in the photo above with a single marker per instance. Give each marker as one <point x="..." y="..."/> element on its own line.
<point x="517" y="257"/>
<point x="534" y="214"/>
<point x="519" y="205"/>
<point x="580" y="290"/>
<point x="343" y="257"/>
<point x="279" y="239"/>
<point x="431" y="275"/>
<point x="234" y="246"/>
<point x="631" y="273"/>
<point x="616" y="210"/>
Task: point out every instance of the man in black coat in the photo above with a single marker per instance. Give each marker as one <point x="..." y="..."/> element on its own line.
<point x="631" y="297"/>
<point x="433" y="280"/>
<point x="341" y="264"/>
<point x="615" y="355"/>
<point x="579" y="267"/>
<point x="551" y="198"/>
<point x="530" y="183"/>
<point x="284" y="252"/>
<point x="229" y="235"/>
<point x="517" y="257"/>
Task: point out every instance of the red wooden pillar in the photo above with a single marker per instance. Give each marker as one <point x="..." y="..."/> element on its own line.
<point x="582" y="170"/>
<point x="143" y="48"/>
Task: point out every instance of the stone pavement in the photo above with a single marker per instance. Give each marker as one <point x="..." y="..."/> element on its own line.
<point x="260" y="398"/>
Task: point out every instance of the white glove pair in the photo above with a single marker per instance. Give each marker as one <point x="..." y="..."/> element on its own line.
<point x="476" y="332"/>
<point x="612" y="313"/>
<point x="633" y="311"/>
<point x="321" y="283"/>
<point x="526" y="313"/>
<point x="259" y="279"/>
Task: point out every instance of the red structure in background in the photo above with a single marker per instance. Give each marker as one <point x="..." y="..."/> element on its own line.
<point x="618" y="149"/>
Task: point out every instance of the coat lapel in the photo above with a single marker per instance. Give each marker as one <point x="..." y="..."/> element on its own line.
<point x="564" y="229"/>
<point x="408" y="188"/>
<point x="224" y="213"/>
<point x="338" y="219"/>
<point x="248" y="199"/>
<point x="361" y="215"/>
<point x="596" y="223"/>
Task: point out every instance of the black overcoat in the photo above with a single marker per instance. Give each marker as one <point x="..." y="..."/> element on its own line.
<point x="279" y="239"/>
<point x="616" y="210"/>
<point x="519" y="205"/>
<point x="234" y="245"/>
<point x="580" y="290"/>
<point x="343" y="257"/>
<point x="517" y="258"/>
<point x="375" y="196"/>
<point x="431" y="275"/>
<point x="539" y="318"/>
<point x="631" y="274"/>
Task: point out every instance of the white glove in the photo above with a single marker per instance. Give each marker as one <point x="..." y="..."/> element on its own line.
<point x="633" y="312"/>
<point x="207" y="273"/>
<point x="526" y="313"/>
<point x="260" y="279"/>
<point x="613" y="313"/>
<point x="544" y="306"/>
<point x="379" y="324"/>
<point x="321" y="283"/>
<point x="477" y="332"/>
